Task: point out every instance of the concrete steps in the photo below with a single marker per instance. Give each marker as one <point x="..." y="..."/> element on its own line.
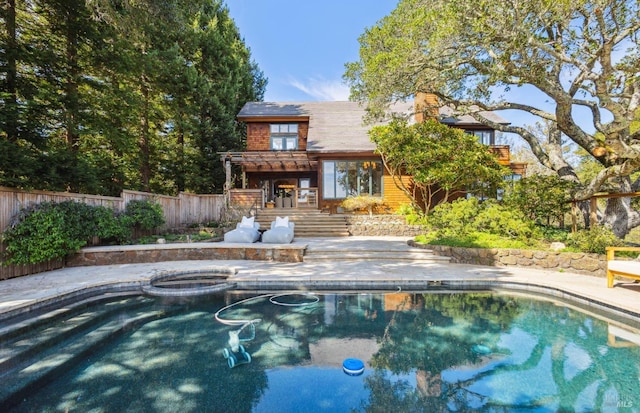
<point x="318" y="254"/>
<point x="309" y="222"/>
<point x="34" y="350"/>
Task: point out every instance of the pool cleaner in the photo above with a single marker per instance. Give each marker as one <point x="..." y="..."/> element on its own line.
<point x="235" y="353"/>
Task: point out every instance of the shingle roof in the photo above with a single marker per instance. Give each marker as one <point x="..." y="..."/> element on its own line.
<point x="338" y="126"/>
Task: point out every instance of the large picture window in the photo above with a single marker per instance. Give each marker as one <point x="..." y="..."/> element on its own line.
<point x="341" y="179"/>
<point x="284" y="136"/>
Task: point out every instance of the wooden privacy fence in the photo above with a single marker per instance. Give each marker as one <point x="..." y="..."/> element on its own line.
<point x="183" y="210"/>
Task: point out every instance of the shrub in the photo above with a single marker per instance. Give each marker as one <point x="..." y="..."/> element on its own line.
<point x="368" y="202"/>
<point x="595" y="240"/>
<point x="110" y="226"/>
<point x="465" y="217"/>
<point x="47" y="231"/>
<point x="453" y="219"/>
<point x="543" y="198"/>
<point x="50" y="231"/>
<point x="144" y="214"/>
<point x="412" y="215"/>
<point x="475" y="240"/>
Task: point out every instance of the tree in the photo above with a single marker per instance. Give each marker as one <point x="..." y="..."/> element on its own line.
<point x="581" y="54"/>
<point x="97" y="96"/>
<point x="443" y="161"/>
<point x="543" y="198"/>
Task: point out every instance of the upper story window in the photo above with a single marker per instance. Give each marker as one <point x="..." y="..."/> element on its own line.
<point x="485" y="137"/>
<point x="284" y="136"/>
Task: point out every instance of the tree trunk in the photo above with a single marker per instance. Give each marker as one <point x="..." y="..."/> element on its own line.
<point x="620" y="216"/>
<point x="11" y="106"/>
<point x="71" y="85"/>
<point x="145" y="167"/>
<point x="180" y="161"/>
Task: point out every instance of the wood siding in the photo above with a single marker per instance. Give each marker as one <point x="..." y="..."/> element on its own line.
<point x="503" y="153"/>
<point x="393" y="196"/>
<point x="247" y="198"/>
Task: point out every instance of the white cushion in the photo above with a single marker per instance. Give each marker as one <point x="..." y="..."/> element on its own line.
<point x="246" y="222"/>
<point x="282" y="222"/>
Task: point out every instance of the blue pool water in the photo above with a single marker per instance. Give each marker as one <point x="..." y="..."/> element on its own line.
<point x="423" y="352"/>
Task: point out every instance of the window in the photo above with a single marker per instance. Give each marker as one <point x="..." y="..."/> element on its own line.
<point x="284" y="136"/>
<point x="485" y="137"/>
<point x="341" y="179"/>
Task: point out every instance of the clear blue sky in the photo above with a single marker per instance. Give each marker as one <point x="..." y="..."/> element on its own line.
<point x="303" y="45"/>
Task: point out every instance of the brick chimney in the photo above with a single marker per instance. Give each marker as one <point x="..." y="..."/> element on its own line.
<point x="426" y="106"/>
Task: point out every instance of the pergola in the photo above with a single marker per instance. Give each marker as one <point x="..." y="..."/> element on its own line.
<point x="271" y="160"/>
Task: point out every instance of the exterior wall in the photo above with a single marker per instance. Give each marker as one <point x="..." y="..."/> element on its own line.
<point x="393" y="196"/>
<point x="259" y="136"/>
<point x="504" y="156"/>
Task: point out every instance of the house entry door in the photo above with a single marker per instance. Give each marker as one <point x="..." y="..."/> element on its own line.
<point x="306" y="197"/>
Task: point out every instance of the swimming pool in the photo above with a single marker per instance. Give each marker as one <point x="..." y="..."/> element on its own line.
<point x="422" y="351"/>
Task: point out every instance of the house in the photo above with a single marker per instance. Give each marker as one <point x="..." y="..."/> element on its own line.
<point x="315" y="154"/>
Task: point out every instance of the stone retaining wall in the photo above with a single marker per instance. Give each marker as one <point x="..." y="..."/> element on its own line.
<point x="381" y="225"/>
<point x="179" y="252"/>
<point x="575" y="262"/>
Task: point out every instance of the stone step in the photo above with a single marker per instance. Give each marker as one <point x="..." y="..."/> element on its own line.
<point x="400" y="254"/>
<point x="30" y="337"/>
<point x="33" y="372"/>
<point x="373" y="256"/>
<point x="309" y="223"/>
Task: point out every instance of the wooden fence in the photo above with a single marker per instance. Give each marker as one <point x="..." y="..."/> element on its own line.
<point x="183" y="210"/>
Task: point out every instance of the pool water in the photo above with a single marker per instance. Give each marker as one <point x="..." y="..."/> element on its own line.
<point x="423" y="352"/>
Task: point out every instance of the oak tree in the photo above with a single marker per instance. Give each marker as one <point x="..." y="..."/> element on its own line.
<point x="578" y="54"/>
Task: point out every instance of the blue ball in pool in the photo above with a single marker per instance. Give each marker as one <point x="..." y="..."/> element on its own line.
<point x="353" y="367"/>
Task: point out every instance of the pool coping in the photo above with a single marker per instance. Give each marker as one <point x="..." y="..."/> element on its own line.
<point x="539" y="289"/>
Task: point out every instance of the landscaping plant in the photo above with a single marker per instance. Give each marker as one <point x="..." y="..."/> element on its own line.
<point x="468" y="222"/>
<point x="50" y="231"/>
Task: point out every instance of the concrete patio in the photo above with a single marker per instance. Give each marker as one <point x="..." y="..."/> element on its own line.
<point x="358" y="269"/>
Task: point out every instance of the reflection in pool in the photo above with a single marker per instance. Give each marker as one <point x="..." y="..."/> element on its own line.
<point x="422" y="352"/>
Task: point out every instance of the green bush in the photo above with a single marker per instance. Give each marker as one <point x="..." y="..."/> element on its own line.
<point x="465" y="217"/>
<point x="543" y="198"/>
<point x="109" y="226"/>
<point x="144" y="214"/>
<point x="50" y="231"/>
<point x="453" y="219"/>
<point x="475" y="240"/>
<point x="595" y="240"/>
<point x="412" y="215"/>
<point x="47" y="231"/>
<point x="552" y="234"/>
